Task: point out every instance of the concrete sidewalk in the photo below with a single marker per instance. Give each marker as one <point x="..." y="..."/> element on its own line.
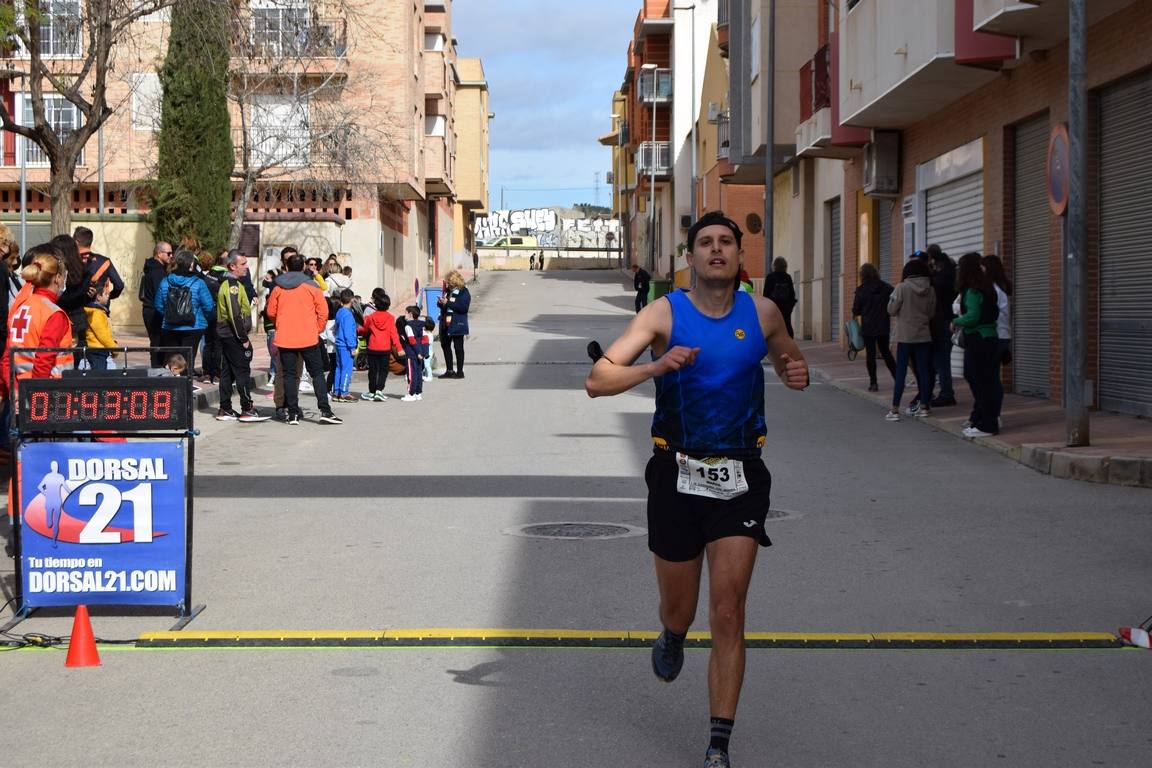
<point x="1033" y="429"/>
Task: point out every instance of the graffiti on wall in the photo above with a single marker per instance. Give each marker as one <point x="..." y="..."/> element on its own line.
<point x="551" y="227"/>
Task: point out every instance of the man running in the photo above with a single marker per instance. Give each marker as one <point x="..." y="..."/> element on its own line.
<point x="708" y="489"/>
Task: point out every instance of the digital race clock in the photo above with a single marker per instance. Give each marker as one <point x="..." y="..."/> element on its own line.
<point x="115" y="404"/>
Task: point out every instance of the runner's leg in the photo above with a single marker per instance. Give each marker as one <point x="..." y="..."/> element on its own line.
<point x="730" y="562"/>
<point x="679" y="591"/>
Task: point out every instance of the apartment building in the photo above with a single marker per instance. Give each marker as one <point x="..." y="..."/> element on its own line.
<point x="351" y="118"/>
<point x="472" y="118"/>
<point x="962" y="99"/>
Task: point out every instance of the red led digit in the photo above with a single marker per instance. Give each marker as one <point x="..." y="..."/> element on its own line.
<point x="38" y="406"/>
<point x="162" y="405"/>
<point x="138" y="405"/>
<point x="61" y="406"/>
<point x="89" y="405"/>
<point x="112" y="405"/>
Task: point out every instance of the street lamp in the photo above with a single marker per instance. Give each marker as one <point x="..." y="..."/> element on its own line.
<point x="650" y="68"/>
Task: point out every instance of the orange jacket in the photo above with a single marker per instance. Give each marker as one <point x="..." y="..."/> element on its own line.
<point x="299" y="310"/>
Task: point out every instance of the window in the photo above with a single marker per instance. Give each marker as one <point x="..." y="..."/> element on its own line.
<point x="433" y="41"/>
<point x="146" y="97"/>
<point x="60" y="113"/>
<point x="279" y="134"/>
<point x="435" y="125"/>
<point x="59" y="28"/>
<point x="281" y="29"/>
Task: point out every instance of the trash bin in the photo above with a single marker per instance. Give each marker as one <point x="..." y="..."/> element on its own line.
<point x="658" y="288"/>
<point x="431" y="308"/>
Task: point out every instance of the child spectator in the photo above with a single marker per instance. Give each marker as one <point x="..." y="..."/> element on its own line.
<point x="416" y="344"/>
<point x="345" y="340"/>
<point x="383" y="341"/>
<point x="100" y="343"/>
<point x="328" y="338"/>
<point x="429" y="330"/>
<point x="177" y="365"/>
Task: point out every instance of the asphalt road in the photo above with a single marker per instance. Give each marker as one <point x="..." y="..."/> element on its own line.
<point x="399" y="519"/>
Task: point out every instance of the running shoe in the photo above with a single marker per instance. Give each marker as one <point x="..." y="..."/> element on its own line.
<point x="923" y="413"/>
<point x="281" y="415"/>
<point x="912" y="408"/>
<point x="227" y="414"/>
<point x="294" y="419"/>
<point x="447" y="375"/>
<point x="892" y="416"/>
<point x="327" y="417"/>
<point x="252" y="415"/>
<point x="667" y="657"/>
<point x="410" y="398"/>
<point x="716" y="758"/>
<point x="380" y="397"/>
<point x="973" y="432"/>
<point x="367" y="395"/>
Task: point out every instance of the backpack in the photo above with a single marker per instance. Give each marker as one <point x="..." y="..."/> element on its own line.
<point x="178" y="309"/>
<point x="782" y="293"/>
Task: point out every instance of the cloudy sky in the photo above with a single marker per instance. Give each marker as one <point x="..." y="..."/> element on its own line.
<point x="551" y="67"/>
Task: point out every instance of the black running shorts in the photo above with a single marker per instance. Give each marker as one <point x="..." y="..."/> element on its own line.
<point x="680" y="525"/>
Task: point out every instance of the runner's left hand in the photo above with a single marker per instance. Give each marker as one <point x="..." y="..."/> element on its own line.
<point x="795" y="373"/>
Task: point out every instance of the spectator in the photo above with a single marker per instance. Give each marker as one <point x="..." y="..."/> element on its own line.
<point x="346" y="339"/>
<point x="299" y="311"/>
<point x="416" y="345"/>
<point x="75" y="294"/>
<point x="871" y="306"/>
<point x="96" y="266"/>
<point x="913" y="304"/>
<point x="641" y="281"/>
<point x="778" y="287"/>
<point x="233" y="324"/>
<point x="155" y="269"/>
<point x="382" y="343"/>
<point x="977" y="322"/>
<point x="100" y="342"/>
<point x="337" y="280"/>
<point x="35" y="319"/>
<point x="454" y="304"/>
<point x="212" y="272"/>
<point x="944" y="283"/>
<point x="9" y="290"/>
<point x="184" y="302"/>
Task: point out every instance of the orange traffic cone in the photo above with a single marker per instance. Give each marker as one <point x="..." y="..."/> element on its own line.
<point x="82" y="645"/>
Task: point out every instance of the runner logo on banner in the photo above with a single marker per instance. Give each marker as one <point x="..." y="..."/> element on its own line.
<point x="102" y="523"/>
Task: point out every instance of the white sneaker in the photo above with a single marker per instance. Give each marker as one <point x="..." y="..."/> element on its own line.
<point x="368" y="396"/>
<point x="410" y="398"/>
<point x="973" y="432"/>
<point x="892" y="416"/>
<point x="419" y="397"/>
<point x="380" y="397"/>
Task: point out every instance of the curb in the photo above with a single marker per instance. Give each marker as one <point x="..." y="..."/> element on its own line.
<point x="1129" y="471"/>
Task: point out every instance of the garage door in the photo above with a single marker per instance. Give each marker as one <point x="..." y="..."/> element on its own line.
<point x="835" y="262"/>
<point x="1125" y="243"/>
<point x="955" y="216"/>
<point x="1031" y="324"/>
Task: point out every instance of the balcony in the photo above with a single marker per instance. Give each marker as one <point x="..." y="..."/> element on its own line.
<point x="274" y="146"/>
<point x="723" y="136"/>
<point x="654" y="159"/>
<point x="816" y="134"/>
<point x="435" y="75"/>
<point x="661" y="92"/>
<point x="723" y="12"/>
<point x="437" y="172"/>
<point x="289" y="33"/>
<point x="1042" y="24"/>
<point x="898" y="62"/>
<point x="654" y="18"/>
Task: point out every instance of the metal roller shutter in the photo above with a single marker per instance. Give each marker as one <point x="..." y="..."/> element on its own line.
<point x="835" y="263"/>
<point x="1031" y="322"/>
<point x="955" y="219"/>
<point x="1125" y="245"/>
<point x="884" y="233"/>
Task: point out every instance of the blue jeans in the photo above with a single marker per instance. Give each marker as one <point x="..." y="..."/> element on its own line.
<point x="97" y="358"/>
<point x="344" y="363"/>
<point x="919" y="354"/>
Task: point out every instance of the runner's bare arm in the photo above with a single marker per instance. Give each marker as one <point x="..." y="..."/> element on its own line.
<point x="615" y="373"/>
<point x="786" y="357"/>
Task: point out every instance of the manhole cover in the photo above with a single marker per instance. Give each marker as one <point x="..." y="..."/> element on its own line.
<point x="576" y="531"/>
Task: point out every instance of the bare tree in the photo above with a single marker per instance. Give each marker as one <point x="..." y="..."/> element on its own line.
<point x="64" y="50"/>
<point x="291" y="127"/>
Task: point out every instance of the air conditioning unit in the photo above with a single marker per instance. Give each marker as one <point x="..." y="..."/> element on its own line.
<point x="685" y="221"/>
<point x="714" y="112"/>
<point x="882" y="164"/>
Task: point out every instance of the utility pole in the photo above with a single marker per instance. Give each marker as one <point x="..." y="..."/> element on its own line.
<point x="1075" y="293"/>
<point x="769" y="134"/>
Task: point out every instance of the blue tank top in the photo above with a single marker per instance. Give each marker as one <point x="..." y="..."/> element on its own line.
<point x="715" y="407"/>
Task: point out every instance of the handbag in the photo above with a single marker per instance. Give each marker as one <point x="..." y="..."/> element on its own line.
<point x="397" y="364"/>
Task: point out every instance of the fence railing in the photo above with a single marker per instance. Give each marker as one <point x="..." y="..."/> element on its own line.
<point x="659" y="93"/>
<point x="654" y="158"/>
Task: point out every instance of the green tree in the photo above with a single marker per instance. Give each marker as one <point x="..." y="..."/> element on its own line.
<point x="193" y="194"/>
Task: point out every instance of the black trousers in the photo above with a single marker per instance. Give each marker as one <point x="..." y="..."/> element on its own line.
<point x="153" y="321"/>
<point x="447" y="345"/>
<point x="184" y="339"/>
<point x="235" y="369"/>
<point x="290" y="372"/>
<point x="377" y="370"/>
<point x="872" y="344"/>
<point x="982" y="372"/>
<point x="211" y="350"/>
<point x="641" y="298"/>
